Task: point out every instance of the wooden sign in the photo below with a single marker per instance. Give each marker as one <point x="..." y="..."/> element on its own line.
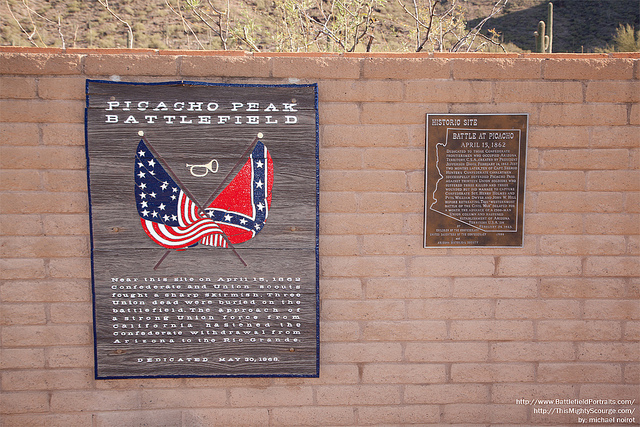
<point x="204" y="229"/>
<point x="475" y="179"/>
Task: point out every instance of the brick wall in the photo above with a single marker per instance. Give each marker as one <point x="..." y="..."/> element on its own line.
<point x="408" y="335"/>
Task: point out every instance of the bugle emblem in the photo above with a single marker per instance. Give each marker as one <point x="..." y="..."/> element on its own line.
<point x="203" y="169"/>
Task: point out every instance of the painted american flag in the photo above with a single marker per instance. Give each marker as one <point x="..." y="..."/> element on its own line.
<point x="172" y="220"/>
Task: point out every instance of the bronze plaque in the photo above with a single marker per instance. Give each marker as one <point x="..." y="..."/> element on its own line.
<point x="204" y="229"/>
<point x="475" y="179"/>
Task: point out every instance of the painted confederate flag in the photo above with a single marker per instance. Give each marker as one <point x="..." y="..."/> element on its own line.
<point x="172" y="220"/>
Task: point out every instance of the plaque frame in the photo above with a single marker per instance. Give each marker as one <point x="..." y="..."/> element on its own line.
<point x="310" y="364"/>
<point x="471" y="212"/>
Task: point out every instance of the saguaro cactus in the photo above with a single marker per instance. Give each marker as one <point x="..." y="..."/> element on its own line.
<point x="544" y="39"/>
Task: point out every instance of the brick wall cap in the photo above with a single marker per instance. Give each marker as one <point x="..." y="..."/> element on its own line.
<point x="30" y="49"/>
<point x="296" y="54"/>
<point x="111" y="51"/>
<point x="474" y="55"/>
<point x="178" y="52"/>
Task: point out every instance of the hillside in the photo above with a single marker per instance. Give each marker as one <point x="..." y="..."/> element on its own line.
<point x="580" y="25"/>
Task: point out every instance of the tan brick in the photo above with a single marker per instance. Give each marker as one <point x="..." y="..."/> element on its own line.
<point x="582" y="245"/>
<point x="578" y="330"/>
<point x="393" y="158"/>
<point x="332" y="245"/>
<point x="612" y="309"/>
<point x="447" y="91"/>
<point x="581" y="288"/>
<point x="66" y="134"/>
<point x="494" y="287"/>
<point x="502" y="108"/>
<point x="360" y="90"/>
<point x="19" y="134"/>
<point x="619" y="391"/>
<point x="46" y="290"/>
<point x="389" y="202"/>
<point x="405" y="68"/>
<point x="17" y="88"/>
<point x="130" y="65"/>
<point x="559" y="136"/>
<point x="363" y="181"/>
<point x="613" y="91"/>
<point x="338" y="202"/>
<point x="374" y="135"/>
<point x="49" y="335"/>
<point x="482" y="330"/>
<point x="578" y="372"/>
<point x="22" y="268"/>
<point x="336" y="374"/>
<point x="47" y="379"/>
<point x="449" y="309"/>
<point x="361" y="352"/>
<point x="632" y="202"/>
<point x="632" y="373"/>
<point x="341" y="158"/>
<point x="612" y="266"/>
<point x="65" y="180"/>
<point x="408" y="287"/>
<point x="445" y="352"/>
<point x="588" y="69"/>
<point x="20" y="180"/>
<point x="358" y="395"/>
<point x="316" y="68"/>
<point x="382" y="244"/>
<point x="634" y="116"/>
<point x="539" y="266"/>
<point x="583" y="114"/>
<point x="156" y="418"/>
<point x="24" y="402"/>
<point x="21" y="358"/>
<point x="66" y="224"/>
<point x="532" y="351"/>
<point x="71" y="313"/>
<point x="537" y="309"/>
<point x="69" y="357"/>
<point x="225" y="66"/>
<point x="339" y="331"/>
<point x="94" y="400"/>
<point x="412" y="330"/>
<point x="538" y="92"/>
<point x="70" y="268"/>
<point x="395" y="113"/>
<point x="618" y="180"/>
<point x="359" y="224"/>
<point x="496" y="68"/>
<point x="342" y="288"/>
<point x="40" y="111"/>
<point x="43" y="247"/>
<point x="23" y="314"/>
<point x="546" y="223"/>
<point x="402" y="373"/>
<point x="492" y="372"/>
<point x="39" y="63"/>
<point x="43" y="158"/>
<point x="509" y="393"/>
<point x="585" y="159"/>
<point x="398" y="415"/>
<point x="362" y="266"/>
<point x="271" y="396"/>
<point x="61" y="88"/>
<point x="580" y="202"/>
<point x="451" y="266"/>
<point x="40" y="202"/>
<point x="226" y="417"/>
<point x="190" y="398"/>
<point x="556" y="180"/>
<point x="313" y="415"/>
<point x="615" y="137"/>
<point x="609" y="352"/>
<point x="362" y="310"/>
<point x="497" y="414"/>
<point x="440" y="394"/>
